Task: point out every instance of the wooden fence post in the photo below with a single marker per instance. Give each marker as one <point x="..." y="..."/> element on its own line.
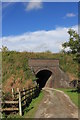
<point x="32" y="93"/>
<point x="13" y="93"/>
<point x="20" y="107"/>
<point x="24" y="95"/>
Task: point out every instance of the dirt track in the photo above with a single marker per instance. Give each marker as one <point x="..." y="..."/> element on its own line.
<point x="56" y="104"/>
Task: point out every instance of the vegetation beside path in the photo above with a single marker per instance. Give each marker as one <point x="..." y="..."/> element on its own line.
<point x="29" y="111"/>
<point x="73" y="94"/>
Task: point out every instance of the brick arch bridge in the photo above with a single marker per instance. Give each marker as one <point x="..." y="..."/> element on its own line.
<point x="48" y="73"/>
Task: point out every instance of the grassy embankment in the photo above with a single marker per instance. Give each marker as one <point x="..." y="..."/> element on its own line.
<point x="17" y="72"/>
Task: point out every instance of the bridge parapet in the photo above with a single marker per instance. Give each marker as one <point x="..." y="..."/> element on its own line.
<point x="43" y="62"/>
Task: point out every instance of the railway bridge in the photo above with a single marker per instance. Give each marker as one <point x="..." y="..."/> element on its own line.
<point x="48" y="73"/>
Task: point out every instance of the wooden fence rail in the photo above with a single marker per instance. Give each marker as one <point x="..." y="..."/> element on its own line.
<point x="20" y="100"/>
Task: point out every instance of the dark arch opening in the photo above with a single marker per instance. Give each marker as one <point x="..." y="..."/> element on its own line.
<point x="42" y="77"/>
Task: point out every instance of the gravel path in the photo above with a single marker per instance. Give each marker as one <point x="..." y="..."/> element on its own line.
<point x="56" y="104"/>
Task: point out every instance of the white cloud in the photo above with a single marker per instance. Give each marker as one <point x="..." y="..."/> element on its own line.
<point x="39" y="41"/>
<point x="34" y="5"/>
<point x="69" y="15"/>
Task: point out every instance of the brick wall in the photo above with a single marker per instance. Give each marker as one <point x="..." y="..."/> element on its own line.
<point x="43" y="62"/>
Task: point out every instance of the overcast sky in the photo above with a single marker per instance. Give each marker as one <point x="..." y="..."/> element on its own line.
<point x="37" y="26"/>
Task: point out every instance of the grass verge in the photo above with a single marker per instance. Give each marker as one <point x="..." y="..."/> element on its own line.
<point x="30" y="111"/>
<point x="72" y="94"/>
